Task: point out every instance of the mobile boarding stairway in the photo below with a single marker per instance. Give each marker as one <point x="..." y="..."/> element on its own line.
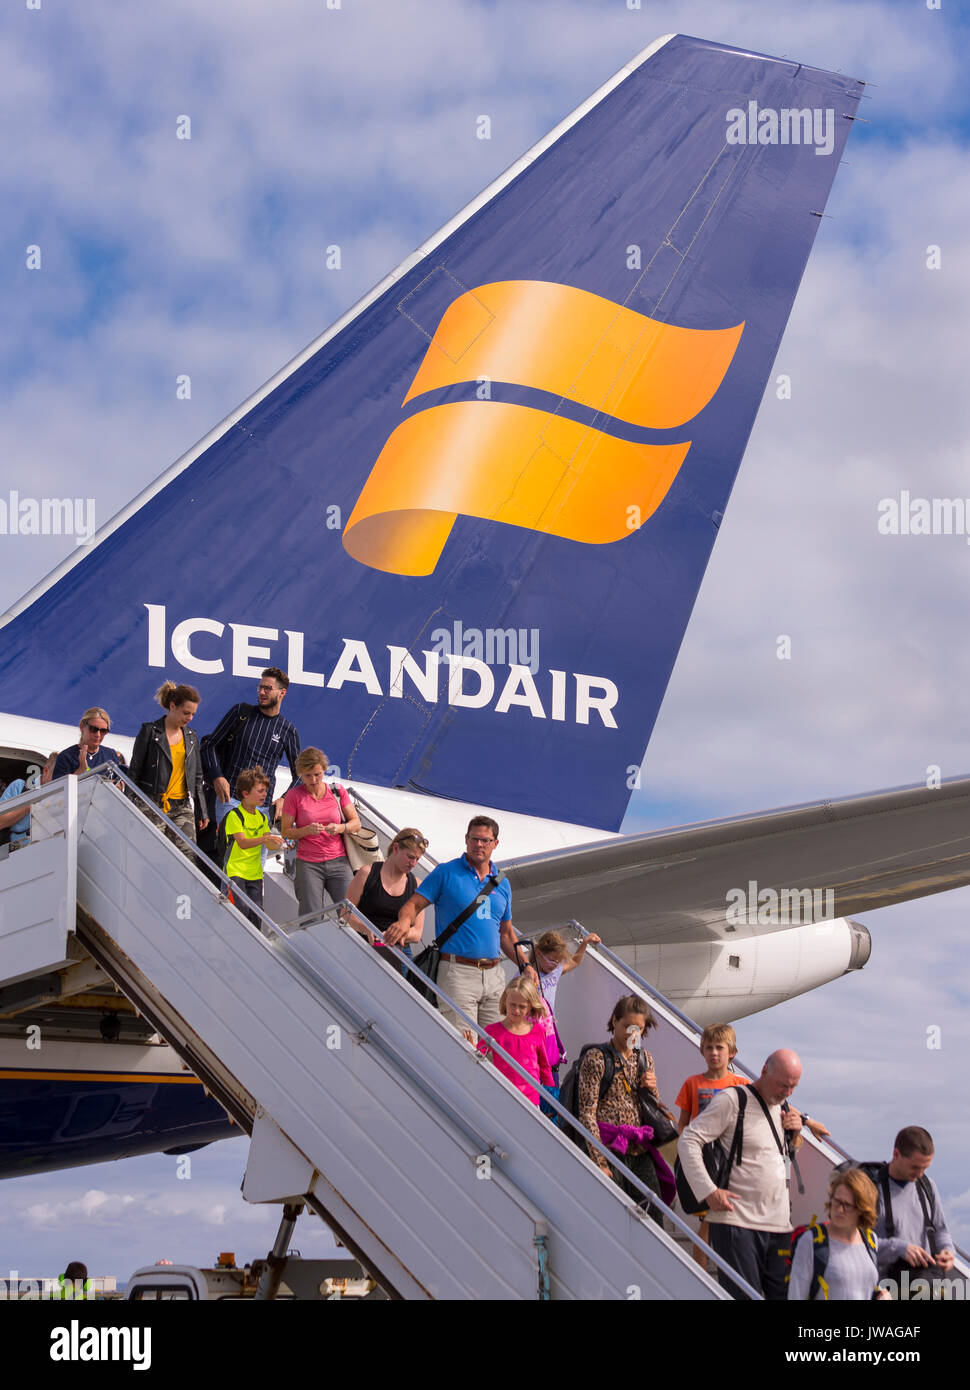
<point x="359" y="1097"/>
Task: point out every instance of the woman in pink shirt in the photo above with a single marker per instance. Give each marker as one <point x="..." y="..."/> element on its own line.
<point x="522" y="1036"/>
<point x="312" y="817"/>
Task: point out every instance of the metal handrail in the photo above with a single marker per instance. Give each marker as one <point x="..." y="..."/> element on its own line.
<point x="207" y="867"/>
<point x="27" y="798"/>
<point x="646" y="988"/>
<point x="269" y="928"/>
<point x="339" y="913"/>
<point x="574" y="1123"/>
<point x="378" y="815"/>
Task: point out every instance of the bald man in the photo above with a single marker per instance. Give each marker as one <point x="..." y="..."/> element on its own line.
<point x="748" y="1216"/>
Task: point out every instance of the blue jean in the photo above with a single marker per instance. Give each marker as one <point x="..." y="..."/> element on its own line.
<point x="550" y="1091"/>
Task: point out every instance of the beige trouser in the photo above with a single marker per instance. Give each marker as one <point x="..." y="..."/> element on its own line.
<point x="475" y="991"/>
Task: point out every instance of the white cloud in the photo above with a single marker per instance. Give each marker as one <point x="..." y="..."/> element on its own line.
<point x="95" y="1208"/>
<point x="204" y="256"/>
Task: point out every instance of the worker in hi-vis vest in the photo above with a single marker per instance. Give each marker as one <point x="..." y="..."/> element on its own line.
<point x="74" y="1282"/>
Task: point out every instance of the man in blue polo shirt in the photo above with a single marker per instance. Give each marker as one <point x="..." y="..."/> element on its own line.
<point x="471" y="971"/>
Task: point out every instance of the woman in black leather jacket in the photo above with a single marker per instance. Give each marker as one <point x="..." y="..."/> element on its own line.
<point x="166" y="764"/>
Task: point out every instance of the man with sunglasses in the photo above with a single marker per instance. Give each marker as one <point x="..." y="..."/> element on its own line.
<point x="90" y="750"/>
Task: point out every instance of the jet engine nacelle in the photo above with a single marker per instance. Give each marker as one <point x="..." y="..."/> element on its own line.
<point x="718" y="981"/>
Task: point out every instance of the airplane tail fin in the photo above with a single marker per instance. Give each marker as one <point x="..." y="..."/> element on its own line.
<point x="492" y="489"/>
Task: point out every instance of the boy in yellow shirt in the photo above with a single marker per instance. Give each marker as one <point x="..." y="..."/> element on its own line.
<point x="247" y="833"/>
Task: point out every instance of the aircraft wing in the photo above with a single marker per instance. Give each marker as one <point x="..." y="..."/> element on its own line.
<point x="682" y="885"/>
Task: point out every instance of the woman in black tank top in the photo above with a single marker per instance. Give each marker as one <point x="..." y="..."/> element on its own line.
<point x="381" y="890"/>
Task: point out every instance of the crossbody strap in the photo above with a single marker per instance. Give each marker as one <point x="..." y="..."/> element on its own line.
<point x="771" y="1123"/>
<point x="737" y="1138"/>
<point x="929" y="1228"/>
<point x="781" y="1146"/>
<point x="487" y="889"/>
<point x="887" y="1200"/>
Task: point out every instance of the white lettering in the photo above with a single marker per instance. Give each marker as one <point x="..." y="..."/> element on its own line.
<point x="415" y="675"/>
<point x="294" y="662"/>
<point x="796" y="127"/>
<point x="456" y="682"/>
<point x="244" y="653"/>
<point x="737" y="911"/>
<point x="76" y="1343"/>
<point x="824" y="130"/>
<point x="888" y="523"/>
<point x="785" y="126"/>
<point x="603" y="703"/>
<point x="558" y="694"/>
<point x="520" y="689"/>
<point x="183" y="652"/>
<point x="156" y="633"/>
<point x="403" y="664"/>
<point x="362" y="672"/>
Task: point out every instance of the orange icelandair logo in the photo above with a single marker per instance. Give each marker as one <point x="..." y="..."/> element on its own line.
<point x="527" y="467"/>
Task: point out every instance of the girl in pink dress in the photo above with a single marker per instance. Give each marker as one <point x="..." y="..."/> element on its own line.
<point x="522" y="1036"/>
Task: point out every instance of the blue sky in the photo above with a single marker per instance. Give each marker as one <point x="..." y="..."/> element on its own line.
<point x="312" y="126"/>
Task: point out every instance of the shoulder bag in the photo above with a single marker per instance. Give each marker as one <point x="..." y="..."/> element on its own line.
<point x="362" y="846"/>
<point x="429" y="959"/>
<point x="717" y="1160"/>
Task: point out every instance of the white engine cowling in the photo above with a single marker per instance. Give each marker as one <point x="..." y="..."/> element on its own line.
<point x="715" y="981"/>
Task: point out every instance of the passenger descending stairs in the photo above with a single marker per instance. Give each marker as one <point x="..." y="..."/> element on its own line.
<point x="430" y="1166"/>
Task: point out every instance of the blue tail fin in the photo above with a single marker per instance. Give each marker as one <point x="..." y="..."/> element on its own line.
<point x="492" y="490"/>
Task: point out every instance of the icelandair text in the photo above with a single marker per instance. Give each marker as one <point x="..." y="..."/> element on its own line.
<point x="196" y="643"/>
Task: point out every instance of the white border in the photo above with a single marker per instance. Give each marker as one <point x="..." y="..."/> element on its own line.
<point x="296" y="362"/>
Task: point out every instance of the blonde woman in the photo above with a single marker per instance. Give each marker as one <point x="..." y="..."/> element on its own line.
<point x="317" y="819"/>
<point x="89" y="751"/>
<point x="381" y="890"/>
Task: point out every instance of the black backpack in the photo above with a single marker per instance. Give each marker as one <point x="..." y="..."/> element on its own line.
<point x="224" y="842"/>
<point x="820" y="1254"/>
<point x="716" y="1161"/>
<point x="878" y="1170"/>
<point x="569" y="1090"/>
